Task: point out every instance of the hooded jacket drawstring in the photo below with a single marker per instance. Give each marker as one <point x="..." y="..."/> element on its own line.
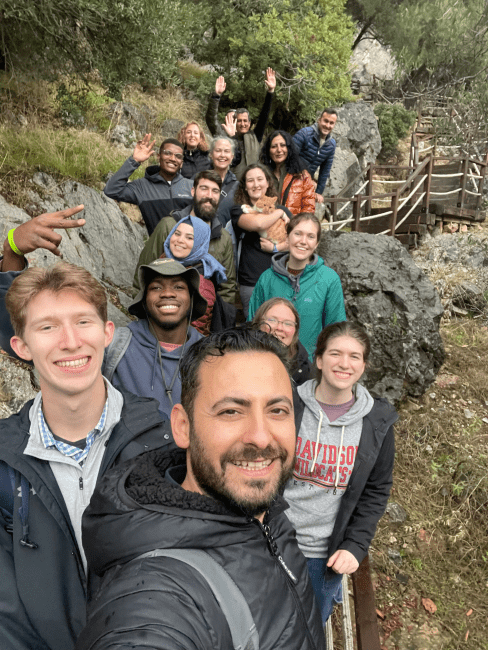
<point x="336" y="482"/>
<point x="168" y="389"/>
<point x="321" y="417"/>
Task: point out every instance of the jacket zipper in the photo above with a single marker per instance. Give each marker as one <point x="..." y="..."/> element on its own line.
<point x="291" y="578"/>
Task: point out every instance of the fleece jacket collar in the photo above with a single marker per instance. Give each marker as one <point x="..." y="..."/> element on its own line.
<point x="152" y="174"/>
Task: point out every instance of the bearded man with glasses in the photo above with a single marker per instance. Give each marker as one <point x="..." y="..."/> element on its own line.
<point x="162" y="190"/>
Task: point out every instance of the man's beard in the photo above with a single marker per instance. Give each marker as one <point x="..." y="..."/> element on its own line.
<point x="213" y="482"/>
<point x="205" y="215"/>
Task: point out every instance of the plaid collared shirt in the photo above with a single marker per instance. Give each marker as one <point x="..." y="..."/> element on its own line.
<point x="75" y="453"/>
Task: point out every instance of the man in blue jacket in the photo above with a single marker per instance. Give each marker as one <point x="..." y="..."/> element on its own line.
<point x="317" y="147"/>
<point x="53" y="452"/>
<point x="162" y="190"/>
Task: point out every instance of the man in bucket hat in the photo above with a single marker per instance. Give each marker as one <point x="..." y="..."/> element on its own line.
<point x="144" y="357"/>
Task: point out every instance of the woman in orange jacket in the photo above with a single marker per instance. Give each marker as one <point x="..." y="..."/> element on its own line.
<point x="295" y="187"/>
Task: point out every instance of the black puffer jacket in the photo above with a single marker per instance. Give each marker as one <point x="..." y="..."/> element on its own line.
<point x="158" y="602"/>
<point x="194" y="161"/>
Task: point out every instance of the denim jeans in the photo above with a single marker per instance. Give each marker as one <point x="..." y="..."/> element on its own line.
<point x="328" y="590"/>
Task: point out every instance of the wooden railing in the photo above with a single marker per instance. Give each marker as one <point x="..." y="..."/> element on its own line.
<point x="412" y="196"/>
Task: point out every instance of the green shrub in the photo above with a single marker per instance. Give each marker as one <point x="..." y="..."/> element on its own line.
<point x="394" y="121"/>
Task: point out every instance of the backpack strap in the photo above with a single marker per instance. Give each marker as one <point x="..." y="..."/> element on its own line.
<point x="115" y="351"/>
<point x="233" y="604"/>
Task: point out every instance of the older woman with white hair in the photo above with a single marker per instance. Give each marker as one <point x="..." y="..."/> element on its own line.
<point x="222" y="150"/>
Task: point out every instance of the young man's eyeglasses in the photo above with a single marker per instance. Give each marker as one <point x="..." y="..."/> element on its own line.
<point x="273" y="322"/>
<point x="170" y="154"/>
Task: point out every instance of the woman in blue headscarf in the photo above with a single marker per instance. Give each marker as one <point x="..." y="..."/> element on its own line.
<point x="188" y="243"/>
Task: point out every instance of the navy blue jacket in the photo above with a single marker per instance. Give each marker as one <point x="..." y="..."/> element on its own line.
<point x="307" y="141"/>
<point x="153" y="194"/>
<point x="229" y="187"/>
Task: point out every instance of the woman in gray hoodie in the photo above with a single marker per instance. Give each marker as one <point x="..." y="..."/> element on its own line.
<point x="344" y="462"/>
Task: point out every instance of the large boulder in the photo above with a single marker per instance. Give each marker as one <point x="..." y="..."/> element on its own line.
<point x="358" y="143"/>
<point x="397" y="304"/>
<point x="108" y="245"/>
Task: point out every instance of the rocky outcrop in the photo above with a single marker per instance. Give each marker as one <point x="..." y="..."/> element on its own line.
<point x="397" y="304"/>
<point x="108" y="245"/>
<point x="358" y="143"/>
<point x="17" y="385"/>
<point x="457" y="264"/>
<point x="370" y="61"/>
<point x="127" y="122"/>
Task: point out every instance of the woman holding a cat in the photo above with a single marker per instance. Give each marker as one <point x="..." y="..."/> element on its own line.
<point x="252" y="216"/>
<point x="301" y="276"/>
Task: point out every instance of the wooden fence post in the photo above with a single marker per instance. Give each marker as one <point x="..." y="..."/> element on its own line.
<point x="481" y="182"/>
<point x="369" y="189"/>
<point x="367" y="633"/>
<point x="427" y="183"/>
<point x="465" y="168"/>
<point x="356" y="213"/>
<point x="394" y="208"/>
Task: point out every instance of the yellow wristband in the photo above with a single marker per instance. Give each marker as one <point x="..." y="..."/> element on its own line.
<point x="11" y="242"/>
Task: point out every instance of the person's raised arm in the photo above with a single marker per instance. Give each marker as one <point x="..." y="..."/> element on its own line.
<point x="220" y="86"/>
<point x="26" y="238"/>
<point x="144" y="149"/>
<point x="212" y="114"/>
<point x="270" y="82"/>
<point x="118" y="187"/>
<point x="37" y="233"/>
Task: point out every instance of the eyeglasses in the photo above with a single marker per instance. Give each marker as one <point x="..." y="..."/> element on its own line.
<point x="171" y="154"/>
<point x="287" y="324"/>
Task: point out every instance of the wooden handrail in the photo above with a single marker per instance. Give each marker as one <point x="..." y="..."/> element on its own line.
<point x="414" y="174"/>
